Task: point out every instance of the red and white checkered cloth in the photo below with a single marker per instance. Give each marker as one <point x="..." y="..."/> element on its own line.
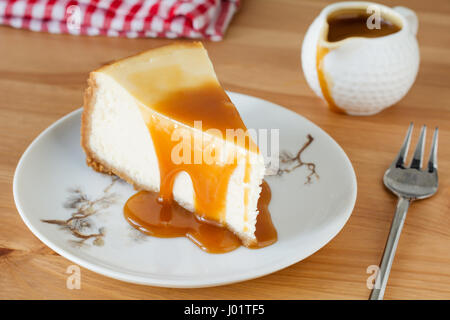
<point x="129" y="18"/>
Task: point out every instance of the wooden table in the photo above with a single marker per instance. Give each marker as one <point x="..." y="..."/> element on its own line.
<point x="42" y="77"/>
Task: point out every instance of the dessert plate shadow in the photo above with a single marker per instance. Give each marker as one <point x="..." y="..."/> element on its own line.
<point x="78" y="212"/>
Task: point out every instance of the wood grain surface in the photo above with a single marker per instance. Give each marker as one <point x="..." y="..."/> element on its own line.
<point x="42" y="78"/>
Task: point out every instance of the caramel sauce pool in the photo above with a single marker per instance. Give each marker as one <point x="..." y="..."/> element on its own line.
<point x="147" y="213"/>
<point x="343" y="25"/>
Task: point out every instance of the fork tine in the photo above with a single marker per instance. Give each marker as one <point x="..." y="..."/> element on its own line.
<point x="432" y="162"/>
<point x="404" y="149"/>
<point x="416" y="161"/>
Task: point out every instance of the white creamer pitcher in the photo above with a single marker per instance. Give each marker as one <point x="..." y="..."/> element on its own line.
<point x="358" y="75"/>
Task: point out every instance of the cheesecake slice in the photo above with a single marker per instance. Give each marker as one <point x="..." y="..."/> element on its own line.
<point x="161" y="121"/>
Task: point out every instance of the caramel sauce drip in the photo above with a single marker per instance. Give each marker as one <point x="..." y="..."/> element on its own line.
<point x="209" y="177"/>
<point x="321" y="53"/>
<point x="343" y="25"/>
<point x="210" y="181"/>
<point x="147" y="213"/>
<point x="265" y="233"/>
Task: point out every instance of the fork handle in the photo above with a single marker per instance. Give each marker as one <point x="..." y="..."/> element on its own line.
<point x="389" y="250"/>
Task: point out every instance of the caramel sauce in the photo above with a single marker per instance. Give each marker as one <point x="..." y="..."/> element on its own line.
<point x="343" y="25"/>
<point x="209" y="178"/>
<point x="147" y="213"/>
<point x="321" y="53"/>
<point x="159" y="215"/>
<point x="265" y="233"/>
<point x="354" y="24"/>
<point x="208" y="103"/>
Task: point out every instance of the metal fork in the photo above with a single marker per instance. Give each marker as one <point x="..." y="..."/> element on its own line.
<point x="408" y="183"/>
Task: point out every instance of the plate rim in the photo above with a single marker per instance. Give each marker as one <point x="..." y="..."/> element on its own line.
<point x="188" y="282"/>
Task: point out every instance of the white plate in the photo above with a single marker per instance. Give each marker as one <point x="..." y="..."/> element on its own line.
<point x="306" y="216"/>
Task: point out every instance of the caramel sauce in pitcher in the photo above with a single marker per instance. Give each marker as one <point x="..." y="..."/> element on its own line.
<point x="354" y="24"/>
<point x="342" y="25"/>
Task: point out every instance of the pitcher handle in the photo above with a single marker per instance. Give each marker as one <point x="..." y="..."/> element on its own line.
<point x="410" y="16"/>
